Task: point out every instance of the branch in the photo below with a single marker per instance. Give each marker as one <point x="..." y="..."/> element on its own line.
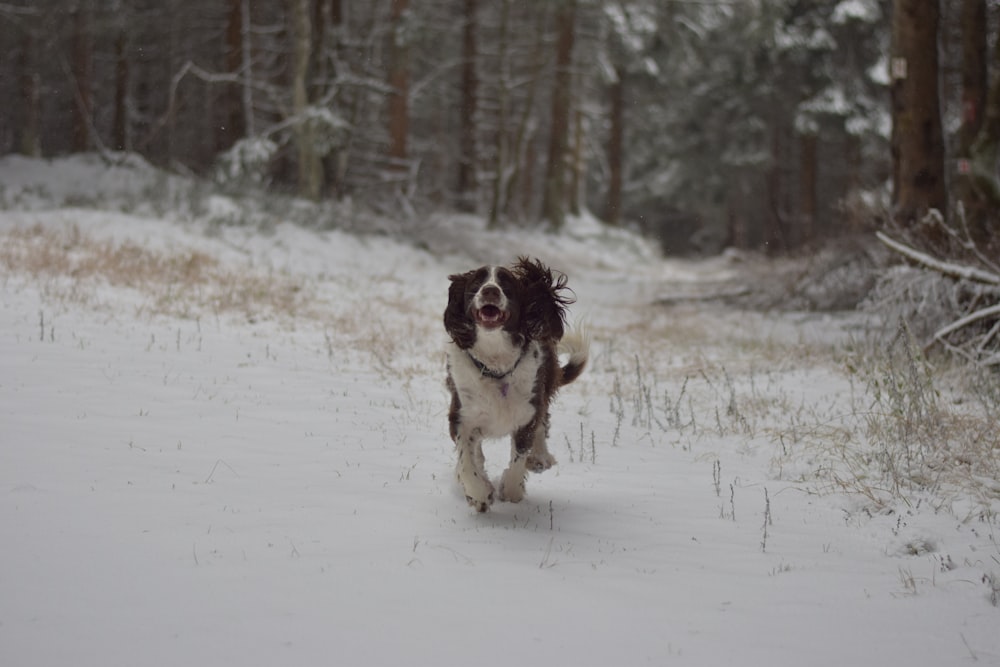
<point x="14" y="10"/>
<point x="947" y="268"/>
<point x="968" y="319"/>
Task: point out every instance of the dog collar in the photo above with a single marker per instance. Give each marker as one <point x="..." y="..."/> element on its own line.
<point x="486" y="371"/>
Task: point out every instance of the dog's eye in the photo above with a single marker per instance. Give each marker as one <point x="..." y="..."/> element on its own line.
<point x="506" y="280"/>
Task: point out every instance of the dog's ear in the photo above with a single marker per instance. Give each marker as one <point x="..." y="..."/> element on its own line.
<point x="545" y="300"/>
<point x="456" y="321"/>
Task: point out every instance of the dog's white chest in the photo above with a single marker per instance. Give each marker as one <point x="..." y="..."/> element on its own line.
<point x="495" y="406"/>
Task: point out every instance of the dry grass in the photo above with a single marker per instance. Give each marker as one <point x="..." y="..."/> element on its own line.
<point x="899" y="438"/>
<point x="70" y="265"/>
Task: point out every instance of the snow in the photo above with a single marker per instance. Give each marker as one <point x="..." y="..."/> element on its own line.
<point x="267" y="485"/>
<point x="865" y="11"/>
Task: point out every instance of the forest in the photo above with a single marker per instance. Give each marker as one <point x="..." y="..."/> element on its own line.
<point x="763" y="124"/>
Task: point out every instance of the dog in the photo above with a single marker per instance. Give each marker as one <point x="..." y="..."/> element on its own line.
<point x="507" y="327"/>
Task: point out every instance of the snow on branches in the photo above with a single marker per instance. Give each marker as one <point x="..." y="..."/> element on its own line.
<point x="951" y="303"/>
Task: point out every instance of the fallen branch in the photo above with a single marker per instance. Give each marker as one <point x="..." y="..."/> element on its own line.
<point x="946" y="268"/>
<point x="968" y="319"/>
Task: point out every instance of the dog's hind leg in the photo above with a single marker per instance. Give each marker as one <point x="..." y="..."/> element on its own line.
<point x="471" y="469"/>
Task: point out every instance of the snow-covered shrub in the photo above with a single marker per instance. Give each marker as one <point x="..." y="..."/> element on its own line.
<point x="326" y="130"/>
<point x="922" y="299"/>
<point x="247" y="161"/>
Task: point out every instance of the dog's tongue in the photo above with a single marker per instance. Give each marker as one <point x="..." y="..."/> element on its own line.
<point x="490" y="314"/>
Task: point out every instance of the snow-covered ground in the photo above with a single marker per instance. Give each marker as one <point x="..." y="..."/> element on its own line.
<point x="227" y="445"/>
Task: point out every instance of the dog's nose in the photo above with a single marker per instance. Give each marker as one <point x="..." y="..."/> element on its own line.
<point x="490" y="293"/>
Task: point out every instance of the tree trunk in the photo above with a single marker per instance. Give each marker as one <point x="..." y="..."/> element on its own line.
<point x="310" y="166"/>
<point x="500" y="195"/>
<point x="119" y="131"/>
<point x="232" y="127"/>
<point x="917" y="141"/>
<point x="83" y="78"/>
<point x="30" y="97"/>
<point x="577" y="166"/>
<point x="808" y="203"/>
<point x="974" y="79"/>
<point x="399" y="81"/>
<point x="467" y="133"/>
<point x="247" y="64"/>
<point x="616" y="137"/>
<point x="554" y="201"/>
<point x="775" y="236"/>
<point x="986" y="147"/>
<point x="974" y="92"/>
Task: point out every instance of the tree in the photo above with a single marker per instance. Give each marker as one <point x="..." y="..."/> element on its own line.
<point x="972" y="184"/>
<point x="83" y="75"/>
<point x="974" y="72"/>
<point x="555" y="197"/>
<point x="706" y="122"/>
<point x="399" y="82"/>
<point x="233" y="126"/>
<point x="616" y="138"/>
<point x="467" y="157"/>
<point x="30" y="136"/>
<point x="917" y="140"/>
<point x="120" y="139"/>
<point x="986" y="147"/>
<point x="309" y="160"/>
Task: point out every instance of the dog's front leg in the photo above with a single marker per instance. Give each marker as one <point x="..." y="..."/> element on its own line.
<point x="512" y="481"/>
<point x="540" y="459"/>
<point x="471" y="469"/>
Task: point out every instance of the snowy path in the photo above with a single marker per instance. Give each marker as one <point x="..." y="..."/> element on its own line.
<point x="223" y="490"/>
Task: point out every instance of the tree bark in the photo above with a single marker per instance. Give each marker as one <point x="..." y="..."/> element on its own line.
<point x="554" y="203"/>
<point x="917" y="140"/>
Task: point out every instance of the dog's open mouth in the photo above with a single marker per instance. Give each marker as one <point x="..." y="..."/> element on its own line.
<point x="491" y="317"/>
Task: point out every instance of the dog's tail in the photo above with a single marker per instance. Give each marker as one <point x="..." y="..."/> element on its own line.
<point x="575" y="344"/>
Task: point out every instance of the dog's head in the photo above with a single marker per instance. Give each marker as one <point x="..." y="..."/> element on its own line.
<point x="523" y="300"/>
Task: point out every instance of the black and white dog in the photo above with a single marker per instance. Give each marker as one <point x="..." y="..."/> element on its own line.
<point x="506" y="327"/>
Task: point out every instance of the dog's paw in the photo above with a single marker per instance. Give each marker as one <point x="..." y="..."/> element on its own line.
<point x="511" y="487"/>
<point x="540" y="463"/>
<point x="480" y="494"/>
